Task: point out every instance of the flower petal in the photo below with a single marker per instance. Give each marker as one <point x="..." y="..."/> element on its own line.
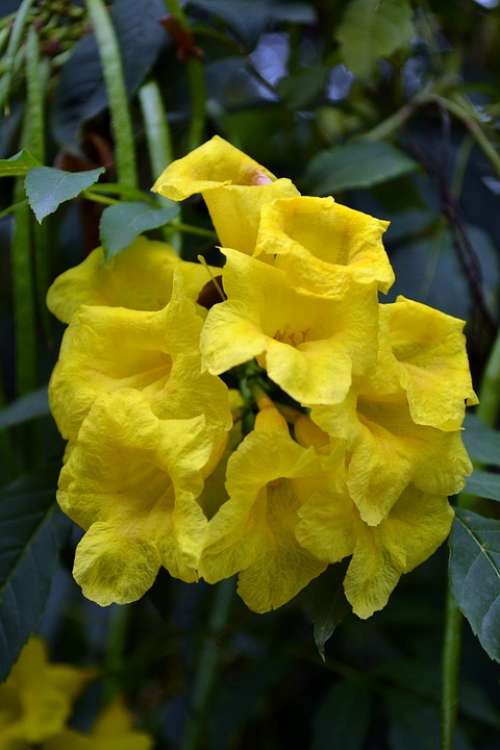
<point x="324" y="246"/>
<point x="234" y="187"/>
<point x="139" y="278"/>
<point x="429" y="348"/>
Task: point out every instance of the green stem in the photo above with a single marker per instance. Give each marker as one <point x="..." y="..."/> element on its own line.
<point x="196" y="81"/>
<point x="208" y="663"/>
<point x="37" y="74"/>
<point x="475" y="129"/>
<point x="195" y="231"/>
<point x="159" y="142"/>
<point x="114" y="659"/>
<point x="488" y="410"/>
<point x="157" y="128"/>
<point x="23" y="292"/>
<point x="11" y="209"/>
<point x="121" y="122"/>
<point x="91" y="196"/>
<point x="489" y="394"/>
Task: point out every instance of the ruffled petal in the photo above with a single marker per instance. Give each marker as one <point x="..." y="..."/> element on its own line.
<point x="311" y="345"/>
<point x="106" y="349"/>
<point x="253" y="532"/>
<point x="234" y="187"/>
<point x="138" y="278"/>
<point x="324" y="246"/>
<point x="132" y="480"/>
<point x="429" y="348"/>
<point x="388" y="451"/>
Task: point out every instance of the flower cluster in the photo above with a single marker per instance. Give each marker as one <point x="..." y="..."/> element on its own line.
<point x="36" y="702"/>
<point x="296" y="423"/>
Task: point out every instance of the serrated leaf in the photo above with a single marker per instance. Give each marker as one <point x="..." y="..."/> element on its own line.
<point x="372" y="29"/>
<point x="31" y="406"/>
<point x="343" y="718"/>
<point x="484" y="484"/>
<point x="32" y="529"/>
<point x="122" y="223"/>
<point x="356" y="165"/>
<point x="326" y="604"/>
<point x="18" y="165"/>
<point x="475" y="575"/>
<point x="47" y="187"/>
<point x="481" y="441"/>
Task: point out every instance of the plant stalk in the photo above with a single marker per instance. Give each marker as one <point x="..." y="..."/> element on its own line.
<point x="488" y="410"/>
<point x="112" y="68"/>
<point x="208" y="663"/>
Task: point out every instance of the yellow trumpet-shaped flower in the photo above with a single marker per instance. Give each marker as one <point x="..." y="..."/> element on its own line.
<point x="138" y="278"/>
<point x="131" y="480"/>
<point x="310" y="346"/>
<point x="234" y="188"/>
<point x="253" y="532"/>
<point x="106" y="349"/>
<point x="324" y="246"/>
<point x="425" y="350"/>
<point x="112" y="731"/>
<point x="387" y="451"/>
<point x="37" y="697"/>
<point x="330" y="528"/>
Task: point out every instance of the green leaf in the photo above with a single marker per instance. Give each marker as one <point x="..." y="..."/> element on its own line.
<point x="475" y="575"/>
<point x="326" y="604"/>
<point x="343" y="719"/>
<point x="32" y="529"/>
<point x="47" y="187"/>
<point x="31" y="406"/>
<point x="121" y="224"/>
<point x="481" y="441"/>
<point x="484" y="484"/>
<point x="371" y="29"/>
<point x="356" y="165"/>
<point x="18" y="165"/>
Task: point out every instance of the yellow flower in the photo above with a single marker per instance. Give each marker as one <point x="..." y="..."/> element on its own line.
<point x="105" y="349"/>
<point x="330" y="528"/>
<point x="427" y="355"/>
<point x="138" y="278"/>
<point x="131" y="480"/>
<point x="37" y="697"/>
<point x="112" y="731"/>
<point x="309" y="345"/>
<point x="253" y="532"/>
<point x="324" y="246"/>
<point x="388" y="451"/>
<point x="234" y="188"/>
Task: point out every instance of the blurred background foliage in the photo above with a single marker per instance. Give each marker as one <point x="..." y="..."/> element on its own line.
<point x="390" y="106"/>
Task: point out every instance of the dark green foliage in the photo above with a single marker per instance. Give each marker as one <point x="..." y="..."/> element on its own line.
<point x="475" y="575"/>
<point x="32" y="530"/>
<point x="47" y="188"/>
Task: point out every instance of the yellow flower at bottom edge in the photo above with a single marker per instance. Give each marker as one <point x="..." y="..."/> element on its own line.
<point x="234" y="187"/>
<point x="387" y="451"/>
<point x="138" y="278"/>
<point x="330" y="528"/>
<point x="105" y="349"/>
<point x="324" y="246"/>
<point x="310" y="346"/>
<point x="37" y="697"/>
<point x="112" y="731"/>
<point x="426" y="351"/>
<point x="131" y="480"/>
<point x="253" y="533"/>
